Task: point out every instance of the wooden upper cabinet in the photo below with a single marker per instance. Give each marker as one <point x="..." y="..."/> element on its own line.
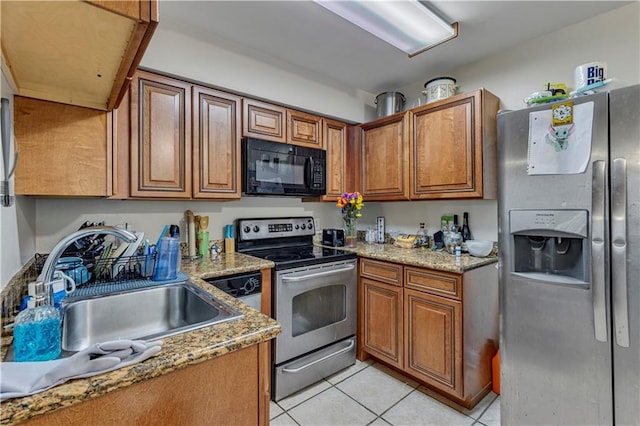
<point x="385" y="158"/>
<point x="264" y="121"/>
<point x="216" y="144"/>
<point x="304" y="129"/>
<point x="335" y="142"/>
<point x="82" y="53"/>
<point x="64" y="150"/>
<point x="160" y="137"/>
<point x="453" y="147"/>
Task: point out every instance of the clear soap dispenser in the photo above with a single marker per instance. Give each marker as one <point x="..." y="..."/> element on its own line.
<point x="36" y="333"/>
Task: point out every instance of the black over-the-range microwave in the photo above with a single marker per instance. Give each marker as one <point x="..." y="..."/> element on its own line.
<point x="273" y="168"/>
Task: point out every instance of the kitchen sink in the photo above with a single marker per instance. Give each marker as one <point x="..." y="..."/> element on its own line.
<point x="148" y="314"/>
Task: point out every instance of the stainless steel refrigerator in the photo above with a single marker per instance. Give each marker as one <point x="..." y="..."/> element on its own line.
<point x="569" y="235"/>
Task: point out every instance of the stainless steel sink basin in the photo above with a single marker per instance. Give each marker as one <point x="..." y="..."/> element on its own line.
<point x="148" y="314"/>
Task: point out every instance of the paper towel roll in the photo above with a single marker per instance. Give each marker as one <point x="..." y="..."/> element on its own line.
<point x="589" y="73"/>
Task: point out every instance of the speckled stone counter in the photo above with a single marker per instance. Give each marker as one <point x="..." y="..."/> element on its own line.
<point x="422" y="257"/>
<point x="177" y="352"/>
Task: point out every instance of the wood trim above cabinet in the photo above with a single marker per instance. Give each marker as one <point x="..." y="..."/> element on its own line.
<point x="216" y="144"/>
<point x="160" y="137"/>
<point x="304" y="129"/>
<point x="262" y="120"/>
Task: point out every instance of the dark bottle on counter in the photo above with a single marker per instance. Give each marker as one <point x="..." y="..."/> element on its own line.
<point x="456" y="226"/>
<point x="466" y="231"/>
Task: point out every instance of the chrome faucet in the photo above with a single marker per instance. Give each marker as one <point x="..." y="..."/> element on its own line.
<point x="49" y="268"/>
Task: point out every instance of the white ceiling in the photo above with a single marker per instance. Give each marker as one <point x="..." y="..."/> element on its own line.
<point x="306" y="39"/>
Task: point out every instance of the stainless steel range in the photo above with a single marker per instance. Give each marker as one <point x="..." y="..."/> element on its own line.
<point x="313" y="298"/>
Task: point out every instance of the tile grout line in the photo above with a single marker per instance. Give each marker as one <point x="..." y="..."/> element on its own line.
<point x="486" y="408"/>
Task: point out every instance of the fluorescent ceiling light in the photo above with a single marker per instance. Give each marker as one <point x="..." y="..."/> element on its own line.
<point x="407" y="24"/>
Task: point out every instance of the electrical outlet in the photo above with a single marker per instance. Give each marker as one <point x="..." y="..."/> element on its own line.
<point x="316" y="224"/>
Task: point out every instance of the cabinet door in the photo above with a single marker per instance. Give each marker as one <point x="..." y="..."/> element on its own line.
<point x="450" y="157"/>
<point x="382" y="318"/>
<point x="216" y="144"/>
<point x="64" y="149"/>
<point x="263" y="121"/>
<point x="160" y="137"/>
<point x="433" y="350"/>
<point x="335" y="142"/>
<point x="385" y="159"/>
<point x="304" y="129"/>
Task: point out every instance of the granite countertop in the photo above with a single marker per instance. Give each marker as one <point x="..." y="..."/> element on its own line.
<point x="422" y="257"/>
<point x="177" y="352"/>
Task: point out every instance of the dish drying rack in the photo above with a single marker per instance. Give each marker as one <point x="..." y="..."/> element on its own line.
<point x="113" y="274"/>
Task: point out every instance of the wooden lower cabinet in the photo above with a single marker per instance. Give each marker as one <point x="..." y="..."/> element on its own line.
<point x="230" y="390"/>
<point x="433" y="347"/>
<point x="382" y="311"/>
<point x="439" y="328"/>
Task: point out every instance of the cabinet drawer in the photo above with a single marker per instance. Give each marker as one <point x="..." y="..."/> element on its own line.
<point x="440" y="283"/>
<point x="389" y="273"/>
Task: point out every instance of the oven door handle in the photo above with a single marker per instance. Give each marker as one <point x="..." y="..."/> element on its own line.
<point x="318" y="274"/>
<point x="324" y="358"/>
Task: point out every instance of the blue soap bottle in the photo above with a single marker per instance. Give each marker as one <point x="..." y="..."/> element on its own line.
<point x="36" y="332"/>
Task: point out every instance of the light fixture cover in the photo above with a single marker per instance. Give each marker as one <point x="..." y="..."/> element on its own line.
<point x="408" y="24"/>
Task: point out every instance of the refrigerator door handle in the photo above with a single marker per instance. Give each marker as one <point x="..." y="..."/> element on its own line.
<point x="598" y="250"/>
<point x="619" y="251"/>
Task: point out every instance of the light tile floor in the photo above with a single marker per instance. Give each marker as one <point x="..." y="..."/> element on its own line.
<point x="369" y="393"/>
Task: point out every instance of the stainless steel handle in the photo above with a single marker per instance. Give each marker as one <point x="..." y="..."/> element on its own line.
<point x="619" y="251"/>
<point x="318" y="274"/>
<point x="598" y="250"/>
<point x="316" y="361"/>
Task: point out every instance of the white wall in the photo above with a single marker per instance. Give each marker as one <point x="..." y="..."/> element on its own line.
<point x="512" y="74"/>
<point x="59" y="217"/>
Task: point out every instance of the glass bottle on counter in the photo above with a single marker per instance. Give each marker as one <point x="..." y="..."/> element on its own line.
<point x="466" y="231"/>
<point x="36" y="334"/>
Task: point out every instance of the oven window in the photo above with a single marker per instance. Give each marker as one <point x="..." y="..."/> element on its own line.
<point x="318" y="308"/>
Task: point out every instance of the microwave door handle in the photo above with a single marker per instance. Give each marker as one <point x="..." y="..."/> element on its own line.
<point x="308" y="162"/>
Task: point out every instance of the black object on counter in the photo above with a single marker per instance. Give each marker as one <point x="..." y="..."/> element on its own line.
<point x="438" y="240"/>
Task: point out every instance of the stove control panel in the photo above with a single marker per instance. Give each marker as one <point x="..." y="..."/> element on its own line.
<point x="275" y="227"/>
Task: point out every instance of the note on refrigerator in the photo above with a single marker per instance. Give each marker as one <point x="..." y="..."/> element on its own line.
<point x="562" y="149"/>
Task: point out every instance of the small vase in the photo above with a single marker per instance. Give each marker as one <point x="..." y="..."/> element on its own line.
<point x="350" y="232"/>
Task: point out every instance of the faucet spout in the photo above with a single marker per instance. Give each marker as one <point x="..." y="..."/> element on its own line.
<point x="46" y="276"/>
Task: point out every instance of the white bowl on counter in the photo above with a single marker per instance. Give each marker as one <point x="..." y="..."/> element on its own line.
<point x="479" y="248"/>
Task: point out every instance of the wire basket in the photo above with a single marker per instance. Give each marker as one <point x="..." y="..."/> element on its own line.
<point x="111" y="269"/>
